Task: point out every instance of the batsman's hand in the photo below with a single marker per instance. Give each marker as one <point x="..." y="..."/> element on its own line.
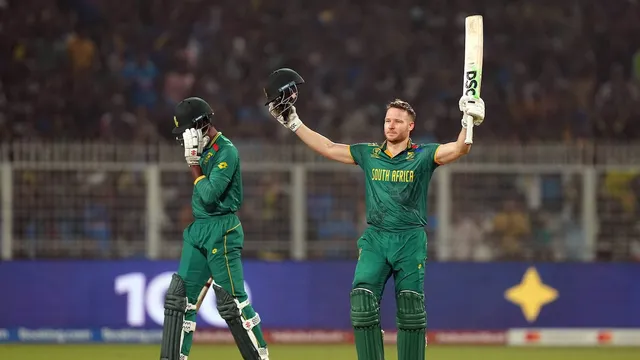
<point x="204" y="141"/>
<point x="472" y="107"/>
<point x="192" y="146"/>
<point x="289" y="118"/>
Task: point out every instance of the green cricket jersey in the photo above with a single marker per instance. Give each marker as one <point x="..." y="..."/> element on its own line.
<point x="396" y="188"/>
<point x="219" y="190"/>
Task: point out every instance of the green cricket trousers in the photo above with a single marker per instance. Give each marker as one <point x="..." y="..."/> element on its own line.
<point x="212" y="248"/>
<point x="382" y="253"/>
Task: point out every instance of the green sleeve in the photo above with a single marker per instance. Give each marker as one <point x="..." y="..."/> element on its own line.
<point x="358" y="153"/>
<point x="430" y="155"/>
<point x="217" y="175"/>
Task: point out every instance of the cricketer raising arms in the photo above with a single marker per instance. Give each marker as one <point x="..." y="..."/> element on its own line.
<point x="212" y="246"/>
<point x="397" y="180"/>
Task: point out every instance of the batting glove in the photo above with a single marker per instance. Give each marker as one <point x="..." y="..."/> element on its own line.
<point x="192" y="138"/>
<point x="204" y="141"/>
<point x="288" y="119"/>
<point x="471" y="107"/>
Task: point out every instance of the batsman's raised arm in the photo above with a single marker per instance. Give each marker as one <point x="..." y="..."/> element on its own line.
<point x="320" y="144"/>
<point x="450" y="152"/>
<point x="281" y="91"/>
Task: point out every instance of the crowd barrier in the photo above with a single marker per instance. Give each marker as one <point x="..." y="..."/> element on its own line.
<point x="502" y="303"/>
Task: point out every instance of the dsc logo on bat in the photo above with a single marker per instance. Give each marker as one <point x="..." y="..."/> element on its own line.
<point x="471" y="83"/>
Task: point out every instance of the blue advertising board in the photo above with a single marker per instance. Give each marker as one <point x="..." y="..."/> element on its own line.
<point x="315" y="295"/>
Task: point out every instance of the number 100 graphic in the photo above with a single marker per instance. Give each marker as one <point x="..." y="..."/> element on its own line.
<point x="130" y="294"/>
<point x="146" y="298"/>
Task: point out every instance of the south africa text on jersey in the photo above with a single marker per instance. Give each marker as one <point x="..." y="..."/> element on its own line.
<point x="405" y="176"/>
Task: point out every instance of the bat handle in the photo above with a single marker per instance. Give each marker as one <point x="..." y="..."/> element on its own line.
<point x="469" y="138"/>
<point x="203" y="293"/>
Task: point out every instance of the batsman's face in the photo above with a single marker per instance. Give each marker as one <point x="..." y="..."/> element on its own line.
<point x="397" y="125"/>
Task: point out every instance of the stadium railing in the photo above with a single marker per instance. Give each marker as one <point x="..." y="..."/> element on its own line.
<point x="106" y="200"/>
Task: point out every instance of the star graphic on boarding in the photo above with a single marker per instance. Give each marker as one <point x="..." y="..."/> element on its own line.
<point x="531" y="294"/>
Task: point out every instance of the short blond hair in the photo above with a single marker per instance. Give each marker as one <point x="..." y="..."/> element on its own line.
<point x="402" y="105"/>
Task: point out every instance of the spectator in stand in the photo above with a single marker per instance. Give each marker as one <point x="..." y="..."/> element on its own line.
<point x="157" y="51"/>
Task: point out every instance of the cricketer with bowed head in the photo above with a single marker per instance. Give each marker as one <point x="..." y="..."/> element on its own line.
<point x="212" y="243"/>
<point x="397" y="173"/>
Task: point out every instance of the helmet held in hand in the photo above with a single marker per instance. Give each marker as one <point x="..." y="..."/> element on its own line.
<point x="282" y="89"/>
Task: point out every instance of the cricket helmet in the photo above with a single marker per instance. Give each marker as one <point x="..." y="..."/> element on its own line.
<point x="194" y="113"/>
<point x="282" y="88"/>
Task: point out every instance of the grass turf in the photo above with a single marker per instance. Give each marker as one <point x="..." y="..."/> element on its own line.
<point x="309" y="352"/>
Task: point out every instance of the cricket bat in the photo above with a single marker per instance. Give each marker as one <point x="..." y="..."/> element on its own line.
<point x="203" y="293"/>
<point x="473" y="51"/>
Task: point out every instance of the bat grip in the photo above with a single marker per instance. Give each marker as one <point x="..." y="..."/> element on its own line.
<point x="469" y="138"/>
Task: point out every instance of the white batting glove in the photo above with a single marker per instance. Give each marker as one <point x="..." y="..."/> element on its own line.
<point x="472" y="107"/>
<point x="192" y="138"/>
<point x="204" y="141"/>
<point x="291" y="122"/>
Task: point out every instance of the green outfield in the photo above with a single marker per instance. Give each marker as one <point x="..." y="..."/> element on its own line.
<point x="309" y="352"/>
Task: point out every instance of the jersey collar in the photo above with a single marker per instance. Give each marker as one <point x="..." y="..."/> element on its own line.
<point x="383" y="147"/>
<point x="213" y="141"/>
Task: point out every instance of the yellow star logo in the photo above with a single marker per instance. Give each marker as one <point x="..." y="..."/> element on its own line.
<point x="531" y="294"/>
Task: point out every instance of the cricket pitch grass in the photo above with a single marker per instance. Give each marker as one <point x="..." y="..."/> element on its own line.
<point x="309" y="352"/>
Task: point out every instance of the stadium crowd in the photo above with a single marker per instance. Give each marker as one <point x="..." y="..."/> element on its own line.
<point x="555" y="71"/>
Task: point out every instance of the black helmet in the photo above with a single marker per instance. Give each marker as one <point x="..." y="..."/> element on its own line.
<point x="282" y="88"/>
<point x="191" y="112"/>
